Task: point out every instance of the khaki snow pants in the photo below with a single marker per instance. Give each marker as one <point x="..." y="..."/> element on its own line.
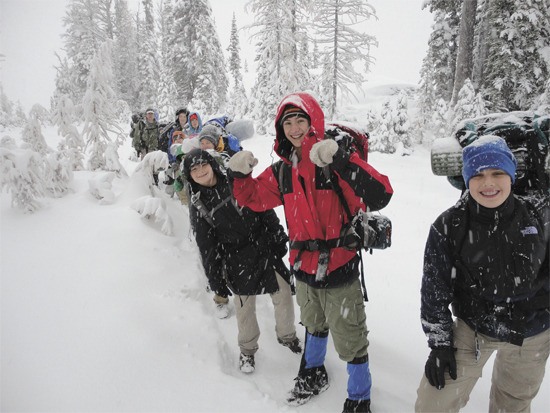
<point x="341" y="310"/>
<point x="247" y="322"/>
<point x="517" y="373"/>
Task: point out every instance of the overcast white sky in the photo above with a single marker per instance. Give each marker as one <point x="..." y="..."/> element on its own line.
<point x="30" y="34"/>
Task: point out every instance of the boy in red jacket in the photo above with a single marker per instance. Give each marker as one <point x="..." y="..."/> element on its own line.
<point x="326" y="268"/>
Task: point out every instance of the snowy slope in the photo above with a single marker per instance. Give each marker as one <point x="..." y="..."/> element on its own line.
<point x="102" y="312"/>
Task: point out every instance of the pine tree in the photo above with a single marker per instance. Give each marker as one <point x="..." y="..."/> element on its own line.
<point x="167" y="93"/>
<point x="148" y="66"/>
<point x="401" y="124"/>
<point x="440" y="125"/>
<point x="278" y="72"/>
<point x="72" y="144"/>
<point x="384" y="136"/>
<point x="440" y="62"/>
<point x="32" y="132"/>
<point x="125" y="55"/>
<point x="238" y="101"/>
<point x="516" y="69"/>
<point x="343" y="45"/>
<point x="82" y="38"/>
<point x="200" y="54"/>
<point x="468" y="105"/>
<point x="97" y="105"/>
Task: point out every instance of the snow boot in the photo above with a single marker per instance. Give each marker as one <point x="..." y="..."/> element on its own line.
<point x="294" y="345"/>
<point x="246" y="363"/>
<point x="359" y="384"/>
<point x="356" y="406"/>
<point x="222" y="311"/>
<point x="309" y="383"/>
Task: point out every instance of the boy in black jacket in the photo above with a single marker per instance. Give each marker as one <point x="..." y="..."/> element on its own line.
<point x="488" y="258"/>
<point x="242" y="251"/>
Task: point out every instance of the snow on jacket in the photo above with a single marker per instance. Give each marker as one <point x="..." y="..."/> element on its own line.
<point x="312" y="208"/>
<point x="243" y="248"/>
<point x="501" y="263"/>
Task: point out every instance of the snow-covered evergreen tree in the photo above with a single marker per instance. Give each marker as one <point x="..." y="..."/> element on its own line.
<point x="278" y="72"/>
<point x="342" y="45"/>
<point x="440" y="124"/>
<point x="72" y="144"/>
<point x="167" y="92"/>
<point x="148" y="66"/>
<point x="401" y="123"/>
<point x="98" y="104"/>
<point x="440" y="62"/>
<point x="200" y="65"/>
<point x="82" y="38"/>
<point x="469" y="105"/>
<point x="125" y="55"/>
<point x="32" y="132"/>
<point x="21" y="172"/>
<point x="383" y="139"/>
<point x="238" y="101"/>
<point x="516" y="67"/>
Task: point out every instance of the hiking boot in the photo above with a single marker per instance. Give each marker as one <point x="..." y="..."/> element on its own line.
<point x="294" y="345"/>
<point x="246" y="363"/>
<point x="356" y="406"/>
<point x="309" y="383"/>
<point x="222" y="310"/>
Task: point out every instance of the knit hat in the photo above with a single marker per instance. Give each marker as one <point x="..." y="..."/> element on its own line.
<point x="193" y="116"/>
<point x="487" y="152"/>
<point x="199" y="157"/>
<point x="293" y="111"/>
<point x="150" y="110"/>
<point x="211" y="133"/>
<point x="182" y="110"/>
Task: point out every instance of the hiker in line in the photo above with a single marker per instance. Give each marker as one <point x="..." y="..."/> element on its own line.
<point x="488" y="258"/>
<point x="211" y="139"/>
<point x="194" y="125"/>
<point x="146" y="135"/>
<point x="242" y="251"/>
<point x="326" y="267"/>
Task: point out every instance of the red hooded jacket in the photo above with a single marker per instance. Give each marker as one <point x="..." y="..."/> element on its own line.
<point x="312" y="208"/>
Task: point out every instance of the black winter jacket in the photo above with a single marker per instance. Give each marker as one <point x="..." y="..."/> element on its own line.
<point x="492" y="266"/>
<point x="242" y="249"/>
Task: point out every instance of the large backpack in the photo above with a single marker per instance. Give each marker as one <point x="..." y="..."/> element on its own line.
<point x="527" y="135"/>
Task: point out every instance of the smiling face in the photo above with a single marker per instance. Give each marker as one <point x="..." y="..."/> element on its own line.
<point x="203" y="174"/>
<point x="295" y="129"/>
<point x="490" y="187"/>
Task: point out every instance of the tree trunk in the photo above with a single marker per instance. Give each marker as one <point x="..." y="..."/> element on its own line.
<point x="465" y="46"/>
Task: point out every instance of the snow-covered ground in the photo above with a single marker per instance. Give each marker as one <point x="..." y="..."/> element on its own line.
<point x="102" y="312"/>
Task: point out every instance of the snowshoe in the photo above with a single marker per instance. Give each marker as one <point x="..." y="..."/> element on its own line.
<point x="356" y="406"/>
<point x="294" y="345"/>
<point x="246" y="363"/>
<point x="309" y="383"/>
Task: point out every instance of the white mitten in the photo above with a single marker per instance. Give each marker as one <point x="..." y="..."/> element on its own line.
<point x="321" y="153"/>
<point x="242" y="162"/>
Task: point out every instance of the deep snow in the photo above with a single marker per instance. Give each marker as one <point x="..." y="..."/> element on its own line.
<point x="102" y="312"/>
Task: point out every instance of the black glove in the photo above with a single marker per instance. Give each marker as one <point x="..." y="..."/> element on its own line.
<point x="438" y="361"/>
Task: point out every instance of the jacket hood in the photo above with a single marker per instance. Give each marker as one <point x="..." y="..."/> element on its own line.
<point x="309" y="105"/>
<point x="191" y="129"/>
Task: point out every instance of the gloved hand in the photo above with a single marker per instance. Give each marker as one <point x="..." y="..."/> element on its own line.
<point x="439" y="360"/>
<point x="322" y="153"/>
<point x="242" y="163"/>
